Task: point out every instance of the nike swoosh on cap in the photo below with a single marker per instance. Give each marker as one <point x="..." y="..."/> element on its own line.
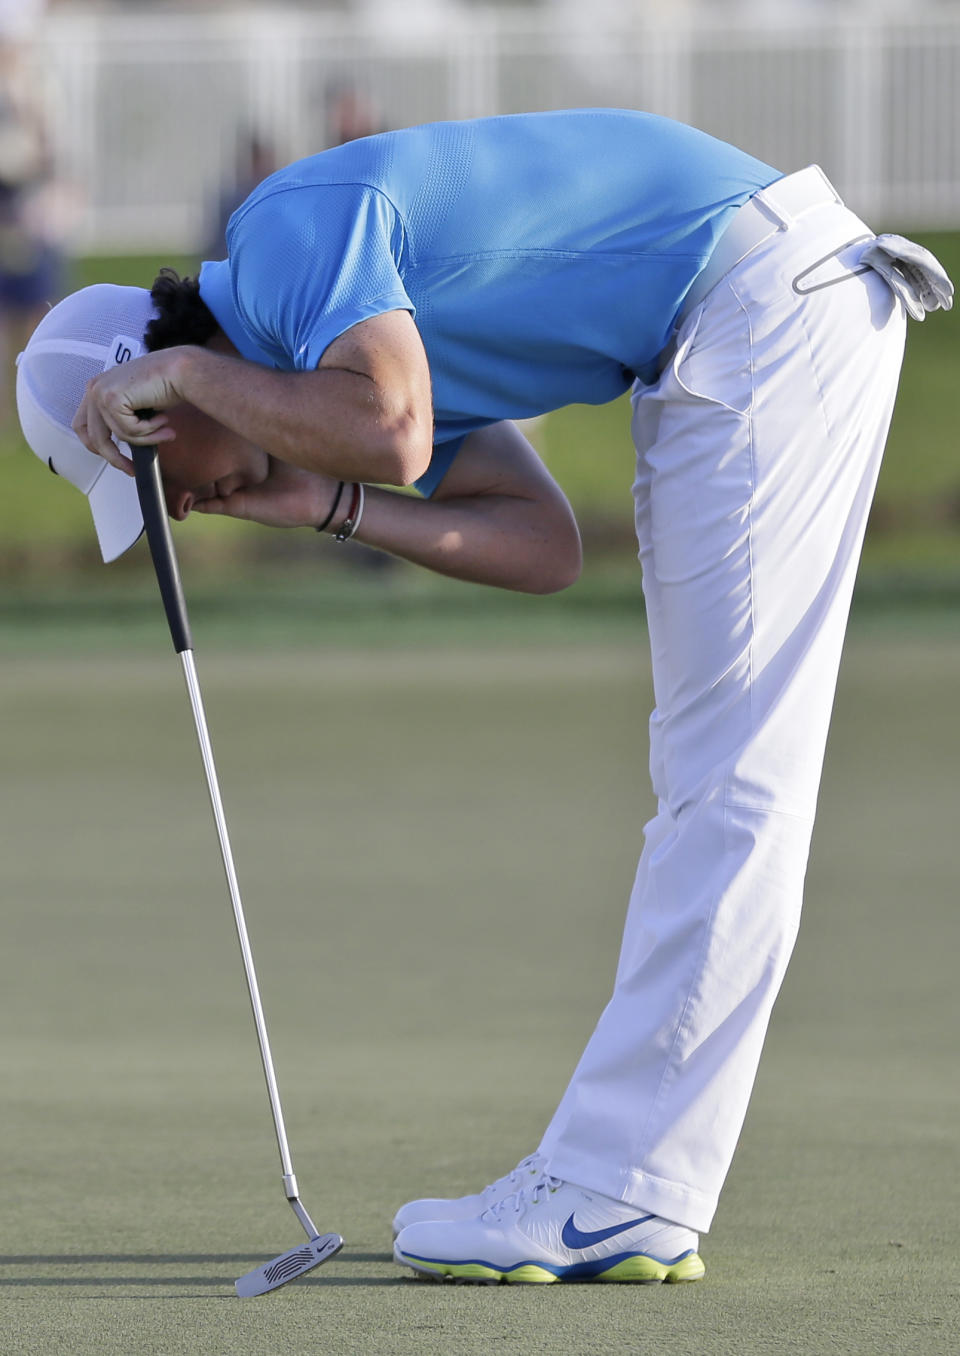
<point x="572" y="1237"/>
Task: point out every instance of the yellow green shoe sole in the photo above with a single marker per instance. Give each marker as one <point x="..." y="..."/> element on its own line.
<point x="631" y="1268"/>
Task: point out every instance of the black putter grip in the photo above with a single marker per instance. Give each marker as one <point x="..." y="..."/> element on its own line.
<point x="157" y="524"/>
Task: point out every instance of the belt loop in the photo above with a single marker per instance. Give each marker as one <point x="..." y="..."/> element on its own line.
<point x="780" y="217"/>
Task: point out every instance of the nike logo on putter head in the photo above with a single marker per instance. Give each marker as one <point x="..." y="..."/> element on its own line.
<point x="572" y="1237"/>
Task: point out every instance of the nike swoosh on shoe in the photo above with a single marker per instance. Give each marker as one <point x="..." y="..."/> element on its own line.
<point x="572" y="1237"/>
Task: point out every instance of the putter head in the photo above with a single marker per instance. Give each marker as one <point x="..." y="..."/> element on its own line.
<point x="289" y="1265"/>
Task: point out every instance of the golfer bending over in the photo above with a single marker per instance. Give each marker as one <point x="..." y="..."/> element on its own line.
<point x="387" y="309"/>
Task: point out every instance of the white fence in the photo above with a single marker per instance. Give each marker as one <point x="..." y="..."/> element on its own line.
<point x="145" y="110"/>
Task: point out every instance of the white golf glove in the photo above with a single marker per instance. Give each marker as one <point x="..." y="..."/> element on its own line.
<point x="917" y="277"/>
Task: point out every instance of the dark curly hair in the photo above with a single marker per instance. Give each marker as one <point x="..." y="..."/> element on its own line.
<point x="184" y="317"/>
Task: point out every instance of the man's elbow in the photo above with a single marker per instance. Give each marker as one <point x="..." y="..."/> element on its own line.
<point x="557" y="566"/>
<point x="406" y="450"/>
<point x="555" y="578"/>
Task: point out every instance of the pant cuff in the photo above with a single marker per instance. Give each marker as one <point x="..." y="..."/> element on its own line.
<point x="674" y="1201"/>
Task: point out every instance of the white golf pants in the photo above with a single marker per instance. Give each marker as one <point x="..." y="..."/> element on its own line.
<point x="757" y="455"/>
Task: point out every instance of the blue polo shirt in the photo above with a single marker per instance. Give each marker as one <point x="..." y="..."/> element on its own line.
<point x="544" y="256"/>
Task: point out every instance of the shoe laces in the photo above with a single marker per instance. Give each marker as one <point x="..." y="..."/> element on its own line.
<point x="531" y="1166"/>
<point x="518" y="1201"/>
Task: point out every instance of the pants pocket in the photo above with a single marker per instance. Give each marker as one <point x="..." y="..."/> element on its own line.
<point x="713" y="359"/>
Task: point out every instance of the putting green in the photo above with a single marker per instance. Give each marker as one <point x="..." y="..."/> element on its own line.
<point x="435" y="849"/>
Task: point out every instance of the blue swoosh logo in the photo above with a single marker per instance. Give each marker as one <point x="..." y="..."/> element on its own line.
<point x="572" y="1237"/>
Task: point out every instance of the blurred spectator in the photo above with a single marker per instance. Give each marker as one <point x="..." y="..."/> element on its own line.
<point x="255" y="159"/>
<point x="349" y="114"/>
<point x="31" y="260"/>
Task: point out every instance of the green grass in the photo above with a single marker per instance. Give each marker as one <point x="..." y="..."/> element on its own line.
<point x="588" y="448"/>
<point x="435" y="844"/>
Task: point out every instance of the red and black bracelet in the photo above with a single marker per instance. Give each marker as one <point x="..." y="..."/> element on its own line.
<point x="355" y="512"/>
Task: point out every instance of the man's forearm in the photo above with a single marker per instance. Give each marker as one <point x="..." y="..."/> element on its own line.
<point x="364" y="412"/>
<point x="493" y="539"/>
<point x="331" y="420"/>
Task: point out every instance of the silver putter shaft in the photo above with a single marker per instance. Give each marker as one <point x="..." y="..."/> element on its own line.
<point x="320" y="1247"/>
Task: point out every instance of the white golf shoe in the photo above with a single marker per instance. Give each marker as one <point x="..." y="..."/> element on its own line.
<point x="552" y="1231"/>
<point x="466" y="1207"/>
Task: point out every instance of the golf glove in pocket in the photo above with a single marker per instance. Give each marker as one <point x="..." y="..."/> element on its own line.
<point x="917" y="277"/>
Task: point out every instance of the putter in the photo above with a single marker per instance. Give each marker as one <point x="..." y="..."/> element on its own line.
<point x="319" y="1247"/>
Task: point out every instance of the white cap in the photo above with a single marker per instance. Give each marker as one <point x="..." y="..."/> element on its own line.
<point x="95" y="328"/>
